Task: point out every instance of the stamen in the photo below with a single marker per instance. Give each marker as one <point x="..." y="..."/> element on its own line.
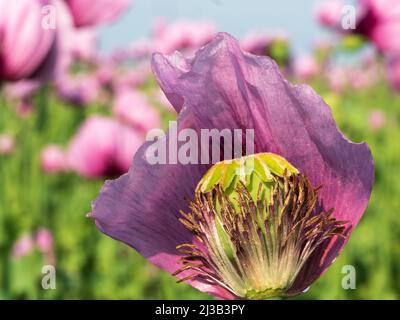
<point x="255" y="243"/>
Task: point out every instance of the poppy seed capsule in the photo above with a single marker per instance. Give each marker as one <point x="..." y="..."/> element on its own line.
<point x="256" y="221"/>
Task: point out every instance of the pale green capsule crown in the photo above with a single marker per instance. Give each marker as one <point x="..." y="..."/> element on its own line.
<point x="261" y="167"/>
<point x="256" y="223"/>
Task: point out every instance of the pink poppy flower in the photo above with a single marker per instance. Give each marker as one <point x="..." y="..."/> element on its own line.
<point x="53" y="159"/>
<point x="394" y="72"/>
<point x="82" y="44"/>
<point x="376" y="119"/>
<point x="44" y="240"/>
<point x="102" y="147"/>
<point x="132" y="77"/>
<point x="133" y="108"/>
<point x="210" y="241"/>
<point x="305" y="68"/>
<point x="105" y="73"/>
<point x="256" y="43"/>
<point x="182" y="34"/>
<point x="337" y="79"/>
<point x="7" y="144"/>
<point x="45" y="243"/>
<point x="26" y="49"/>
<point x="92" y="13"/>
<point x="73" y="44"/>
<point x="380" y="21"/>
<point x="329" y="13"/>
<point x="23" y="246"/>
<point x="22" y="90"/>
<point x="361" y="78"/>
<point x="24" y="109"/>
<point x="79" y="90"/>
<point x="275" y="46"/>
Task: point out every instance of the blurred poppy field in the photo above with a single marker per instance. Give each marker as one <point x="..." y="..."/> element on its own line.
<point x="72" y="117"/>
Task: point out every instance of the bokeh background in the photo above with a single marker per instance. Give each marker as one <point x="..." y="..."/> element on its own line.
<point x="77" y="100"/>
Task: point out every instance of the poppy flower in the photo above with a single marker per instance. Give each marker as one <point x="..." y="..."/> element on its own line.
<point x="92" y="13"/>
<point x="394" y="72"/>
<point x="27" y="49"/>
<point x="275" y="46"/>
<point x="330" y="13"/>
<point x="376" y="119"/>
<point x="270" y="235"/>
<point x="133" y="108"/>
<point x="23" y="246"/>
<point x="305" y="68"/>
<point x="102" y="147"/>
<point x="7" y="144"/>
<point x="182" y="34"/>
<point x="53" y="159"/>
<point x="377" y="20"/>
<point x="80" y="90"/>
<point x="45" y="243"/>
<point x="380" y="22"/>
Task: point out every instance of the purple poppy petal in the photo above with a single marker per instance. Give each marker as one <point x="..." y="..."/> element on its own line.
<point x="142" y="208"/>
<point x="176" y="67"/>
<point x="223" y="87"/>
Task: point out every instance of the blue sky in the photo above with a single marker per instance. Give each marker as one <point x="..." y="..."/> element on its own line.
<point x="238" y="17"/>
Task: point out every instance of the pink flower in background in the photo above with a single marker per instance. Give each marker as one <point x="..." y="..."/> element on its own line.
<point x="380" y="21"/>
<point x="131" y="77"/>
<point x="133" y="108"/>
<point x="394" y="72"/>
<point x="119" y="55"/>
<point x="305" y="68"/>
<point x="24" y="109"/>
<point x="92" y="13"/>
<point x="183" y="34"/>
<point x="102" y="147"/>
<point x="341" y="77"/>
<point x="53" y="159"/>
<point x="376" y="119"/>
<point x="80" y="90"/>
<point x="256" y="43"/>
<point x="72" y="43"/>
<point x="25" y="46"/>
<point x="7" y="144"/>
<point x="23" y="246"/>
<point x="45" y="244"/>
<point x="337" y="79"/>
<point x="361" y="78"/>
<point x="44" y="240"/>
<point x="329" y="13"/>
<point x="82" y="44"/>
<point x="142" y="48"/>
<point x="22" y="89"/>
<point x="275" y="45"/>
<point x="105" y="73"/>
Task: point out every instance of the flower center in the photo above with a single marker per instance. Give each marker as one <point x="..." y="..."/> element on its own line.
<point x="256" y="222"/>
